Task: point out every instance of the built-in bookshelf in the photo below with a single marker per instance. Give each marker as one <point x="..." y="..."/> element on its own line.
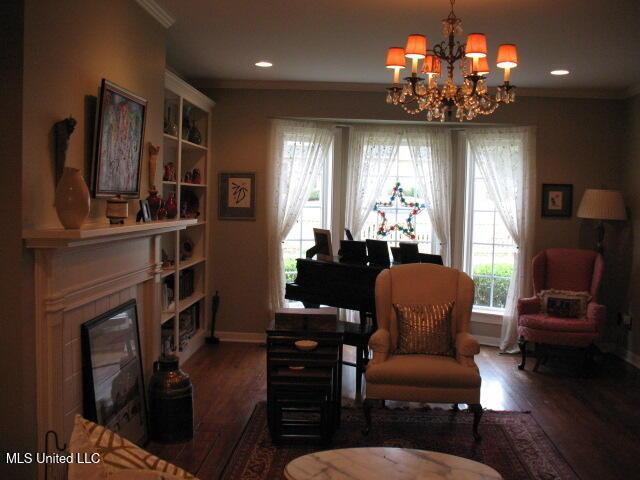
<point x="186" y="151"/>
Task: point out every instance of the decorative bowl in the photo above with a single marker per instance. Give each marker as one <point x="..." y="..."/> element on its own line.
<point x="306" y="345"/>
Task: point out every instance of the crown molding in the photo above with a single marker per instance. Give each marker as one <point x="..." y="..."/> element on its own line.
<point x="202" y="83"/>
<point x="156" y="11"/>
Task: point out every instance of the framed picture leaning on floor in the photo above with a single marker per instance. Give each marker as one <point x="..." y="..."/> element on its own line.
<point x="113" y="380"/>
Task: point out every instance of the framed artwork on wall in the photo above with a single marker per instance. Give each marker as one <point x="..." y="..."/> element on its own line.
<point x="113" y="382"/>
<point x="237" y="196"/>
<point x="557" y="200"/>
<point x="119" y="142"/>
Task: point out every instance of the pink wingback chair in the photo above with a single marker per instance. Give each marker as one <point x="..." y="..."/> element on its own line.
<point x="562" y="269"/>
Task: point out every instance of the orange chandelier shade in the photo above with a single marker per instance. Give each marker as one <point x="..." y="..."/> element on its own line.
<point x="431" y="65"/>
<point x="483" y="66"/>
<point x="507" y="56"/>
<point x="395" y="58"/>
<point x="476" y="45"/>
<point x="416" y="46"/>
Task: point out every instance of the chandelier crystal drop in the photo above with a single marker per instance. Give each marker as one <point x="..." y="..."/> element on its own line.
<point x="440" y="102"/>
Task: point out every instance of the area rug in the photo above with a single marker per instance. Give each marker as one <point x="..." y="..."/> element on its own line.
<point x="512" y="443"/>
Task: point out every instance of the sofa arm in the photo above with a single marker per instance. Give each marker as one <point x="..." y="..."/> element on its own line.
<point x="528" y="306"/>
<point x="466" y="347"/>
<point x="380" y="344"/>
<point x="597" y="313"/>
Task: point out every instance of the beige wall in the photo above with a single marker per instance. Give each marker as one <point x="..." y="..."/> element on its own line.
<point x="632" y="200"/>
<point x="69" y="47"/>
<point x="579" y="141"/>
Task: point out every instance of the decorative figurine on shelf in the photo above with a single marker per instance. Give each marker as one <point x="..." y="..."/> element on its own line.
<point x="190" y="205"/>
<point x="186" y="249"/>
<point x="72" y="200"/>
<point x="166" y="260"/>
<point x="170" y="127"/>
<point x="154" y="151"/>
<point x="155" y="202"/>
<point x="169" y="172"/>
<point x="162" y="211"/>
<point x="62" y="131"/>
<point x="187" y="177"/>
<point x="171" y="206"/>
<point x="196" y="177"/>
<point x="189" y="129"/>
<point x="194" y="135"/>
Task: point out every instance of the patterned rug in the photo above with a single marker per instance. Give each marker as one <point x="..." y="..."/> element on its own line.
<point x="512" y="443"/>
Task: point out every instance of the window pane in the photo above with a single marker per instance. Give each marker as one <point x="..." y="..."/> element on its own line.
<point x="483" y="227"/>
<point x="482" y="291"/>
<point x="397" y="214"/>
<point x="492" y="251"/>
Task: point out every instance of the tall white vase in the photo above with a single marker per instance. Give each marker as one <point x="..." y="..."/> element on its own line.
<point x="72" y="199"/>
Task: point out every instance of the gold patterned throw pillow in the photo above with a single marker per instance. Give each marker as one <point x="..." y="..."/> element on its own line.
<point x="424" y="328"/>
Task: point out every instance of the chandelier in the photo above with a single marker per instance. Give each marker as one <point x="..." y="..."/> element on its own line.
<point x="472" y="98"/>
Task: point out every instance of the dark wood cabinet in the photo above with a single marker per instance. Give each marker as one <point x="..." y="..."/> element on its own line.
<point x="304" y="387"/>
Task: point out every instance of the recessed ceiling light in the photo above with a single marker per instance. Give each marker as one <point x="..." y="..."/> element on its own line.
<point x="264" y="64"/>
<point x="560" y="71"/>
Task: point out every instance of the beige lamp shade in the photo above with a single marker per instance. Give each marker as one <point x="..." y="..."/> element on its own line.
<point x="416" y="46"/>
<point x="507" y="56"/>
<point x="395" y="57"/>
<point x="602" y="205"/>
<point x="476" y="45"/>
<point x="431" y="65"/>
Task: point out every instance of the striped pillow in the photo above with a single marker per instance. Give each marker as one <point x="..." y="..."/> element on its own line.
<point x="119" y="458"/>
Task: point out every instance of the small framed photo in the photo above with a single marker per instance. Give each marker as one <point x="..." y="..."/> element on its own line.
<point x="237" y="196"/>
<point x="145" y="213"/>
<point x="323" y="246"/>
<point x="557" y="200"/>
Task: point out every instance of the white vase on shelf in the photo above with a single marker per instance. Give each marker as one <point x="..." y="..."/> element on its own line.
<point x="72" y="199"/>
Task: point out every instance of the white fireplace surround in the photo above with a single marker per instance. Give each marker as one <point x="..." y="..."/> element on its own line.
<point x="80" y="274"/>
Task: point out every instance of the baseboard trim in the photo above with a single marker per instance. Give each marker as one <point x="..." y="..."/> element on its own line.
<point x="489" y="341"/>
<point x="241" y="337"/>
<point x="629" y="357"/>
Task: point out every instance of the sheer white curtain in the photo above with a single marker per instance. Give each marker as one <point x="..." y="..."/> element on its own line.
<point x="431" y="156"/>
<point x="506" y="158"/>
<point x="298" y="152"/>
<point x="372" y="150"/>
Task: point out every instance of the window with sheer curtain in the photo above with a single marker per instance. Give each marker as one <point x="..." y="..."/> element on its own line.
<point x="316" y="213"/>
<point x="398" y="213"/>
<point x="490" y="250"/>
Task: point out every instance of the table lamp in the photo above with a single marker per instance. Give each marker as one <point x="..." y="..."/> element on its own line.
<point x="602" y="205"/>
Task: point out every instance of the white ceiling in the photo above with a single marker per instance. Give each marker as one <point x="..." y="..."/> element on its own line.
<point x="346" y="40"/>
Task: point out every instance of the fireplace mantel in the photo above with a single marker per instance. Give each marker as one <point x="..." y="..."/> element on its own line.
<point x="79" y="274"/>
<point x="99" y="233"/>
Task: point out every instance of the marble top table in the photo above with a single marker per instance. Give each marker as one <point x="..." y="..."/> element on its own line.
<point x="385" y="464"/>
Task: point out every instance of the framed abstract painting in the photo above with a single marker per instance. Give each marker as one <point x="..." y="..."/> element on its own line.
<point x="237" y="196"/>
<point x="557" y="200"/>
<point x="118" y="143"/>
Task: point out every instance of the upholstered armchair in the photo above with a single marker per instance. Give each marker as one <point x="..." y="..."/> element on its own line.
<point x="562" y="269"/>
<point x="420" y="377"/>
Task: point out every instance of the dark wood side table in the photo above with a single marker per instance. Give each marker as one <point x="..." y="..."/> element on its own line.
<point x="304" y="388"/>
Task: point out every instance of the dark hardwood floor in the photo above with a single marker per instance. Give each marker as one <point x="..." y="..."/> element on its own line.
<point x="594" y="422"/>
